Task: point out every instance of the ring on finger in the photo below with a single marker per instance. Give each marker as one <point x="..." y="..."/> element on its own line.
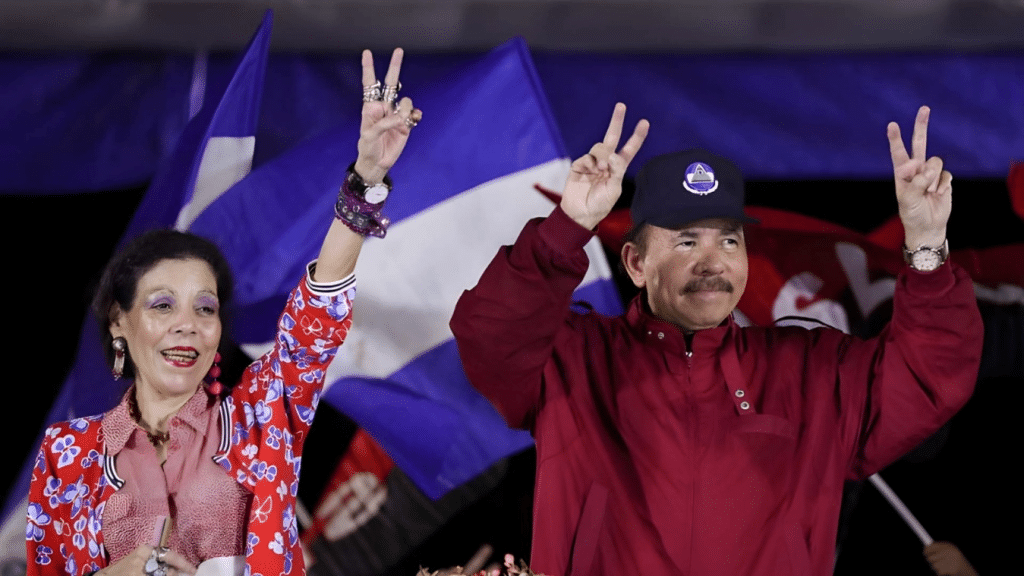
<point x="390" y="93"/>
<point x="154" y="566"/>
<point x="410" y="122"/>
<point x="372" y="92"/>
<point x="161" y="553"/>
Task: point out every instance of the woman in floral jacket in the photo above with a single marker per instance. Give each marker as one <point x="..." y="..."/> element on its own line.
<point x="182" y="472"/>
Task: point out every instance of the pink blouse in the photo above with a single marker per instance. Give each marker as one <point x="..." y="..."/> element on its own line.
<point x="207" y="507"/>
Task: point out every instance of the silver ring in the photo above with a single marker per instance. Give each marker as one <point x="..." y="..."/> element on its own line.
<point x="390" y="93"/>
<point x="410" y="122"/>
<point x="372" y="93"/>
<point x="155" y="567"/>
<point x="161" y="553"/>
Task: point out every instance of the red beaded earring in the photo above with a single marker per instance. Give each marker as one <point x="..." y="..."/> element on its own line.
<point x="213" y="386"/>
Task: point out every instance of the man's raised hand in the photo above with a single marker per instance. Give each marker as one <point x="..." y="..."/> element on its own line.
<point x="595" y="179"/>
<point x="923" y="189"/>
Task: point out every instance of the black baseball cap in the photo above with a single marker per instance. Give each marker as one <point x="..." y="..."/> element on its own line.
<point x="682" y="187"/>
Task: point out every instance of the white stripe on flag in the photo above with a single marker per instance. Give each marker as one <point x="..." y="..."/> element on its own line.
<point x="1003" y="294"/>
<point x="12" y="533"/>
<point x="226" y="160"/>
<point x="410" y="281"/>
<point x="197" y="91"/>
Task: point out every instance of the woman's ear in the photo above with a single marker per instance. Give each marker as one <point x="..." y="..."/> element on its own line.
<point x="115" y="320"/>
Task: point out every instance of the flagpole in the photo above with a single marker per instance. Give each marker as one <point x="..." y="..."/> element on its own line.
<point x="901" y="509"/>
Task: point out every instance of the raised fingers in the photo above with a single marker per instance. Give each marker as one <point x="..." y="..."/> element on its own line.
<point x="614" y="132"/>
<point x="632" y="146"/>
<point x="369" y="76"/>
<point x="896" y="148"/>
<point x="919" y="141"/>
<point x="391" y="77"/>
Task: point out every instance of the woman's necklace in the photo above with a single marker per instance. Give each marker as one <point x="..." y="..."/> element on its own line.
<point x="156" y="439"/>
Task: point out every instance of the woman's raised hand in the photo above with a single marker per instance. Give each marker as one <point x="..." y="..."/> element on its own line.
<point x="386" y="120"/>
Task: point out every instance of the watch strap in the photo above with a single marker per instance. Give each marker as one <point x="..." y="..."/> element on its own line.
<point x="941" y="253"/>
<point x="358" y="186"/>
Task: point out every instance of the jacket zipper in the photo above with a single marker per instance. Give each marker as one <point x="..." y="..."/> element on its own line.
<point x="694" y="448"/>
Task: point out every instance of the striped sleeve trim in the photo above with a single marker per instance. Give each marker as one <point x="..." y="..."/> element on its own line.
<point x="328" y="288"/>
<point x="225" y="428"/>
<point x="110" y="471"/>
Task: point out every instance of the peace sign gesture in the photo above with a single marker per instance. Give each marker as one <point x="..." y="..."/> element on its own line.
<point x="923" y="189"/>
<point x="595" y="180"/>
<point x="386" y="124"/>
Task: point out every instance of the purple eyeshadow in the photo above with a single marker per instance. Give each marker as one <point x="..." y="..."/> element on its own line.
<point x="208" y="302"/>
<point x="162" y="299"/>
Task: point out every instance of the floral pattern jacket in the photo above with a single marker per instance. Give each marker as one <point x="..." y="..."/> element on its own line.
<point x="264" y="424"/>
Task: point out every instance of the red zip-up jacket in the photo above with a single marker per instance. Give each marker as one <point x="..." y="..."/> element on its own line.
<point x="723" y="457"/>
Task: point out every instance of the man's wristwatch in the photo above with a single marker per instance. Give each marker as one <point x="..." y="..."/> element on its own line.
<point x="370" y="193"/>
<point x="926" y="258"/>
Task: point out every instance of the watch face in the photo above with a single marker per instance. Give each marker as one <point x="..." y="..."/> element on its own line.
<point x="925" y="260"/>
<point x="376" y="194"/>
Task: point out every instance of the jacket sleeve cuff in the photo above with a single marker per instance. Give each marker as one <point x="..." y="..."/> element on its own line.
<point x="328" y="288"/>
<point x="562" y="234"/>
<point x="935" y="282"/>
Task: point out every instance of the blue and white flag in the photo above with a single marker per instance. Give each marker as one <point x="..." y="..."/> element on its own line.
<point x="213" y="152"/>
<point x="463" y="187"/>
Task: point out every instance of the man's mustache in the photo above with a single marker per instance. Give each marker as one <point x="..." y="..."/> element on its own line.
<point x="707" y="284"/>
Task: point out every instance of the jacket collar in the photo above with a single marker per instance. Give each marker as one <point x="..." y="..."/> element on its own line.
<point x="118" y="424"/>
<point x="671" y="337"/>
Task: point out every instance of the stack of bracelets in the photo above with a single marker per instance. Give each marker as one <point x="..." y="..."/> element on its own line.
<point x="359" y="205"/>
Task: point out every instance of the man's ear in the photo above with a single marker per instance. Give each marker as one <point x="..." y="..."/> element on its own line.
<point x="633" y="262"/>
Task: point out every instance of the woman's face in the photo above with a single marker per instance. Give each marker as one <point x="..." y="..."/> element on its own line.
<point x="172" y="328"/>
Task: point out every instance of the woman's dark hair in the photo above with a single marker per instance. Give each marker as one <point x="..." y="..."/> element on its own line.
<point x="121" y="278"/>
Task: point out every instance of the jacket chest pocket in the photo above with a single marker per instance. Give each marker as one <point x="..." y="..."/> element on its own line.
<point x="760" y="453"/>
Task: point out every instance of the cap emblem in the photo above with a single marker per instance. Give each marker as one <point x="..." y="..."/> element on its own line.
<point x="700" y="179"/>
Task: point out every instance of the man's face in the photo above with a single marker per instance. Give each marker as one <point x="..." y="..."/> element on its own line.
<point x="694" y="275"/>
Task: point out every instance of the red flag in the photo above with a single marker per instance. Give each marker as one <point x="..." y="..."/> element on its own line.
<point x="355" y="492"/>
<point x="1015" y="184"/>
<point x="371" y="515"/>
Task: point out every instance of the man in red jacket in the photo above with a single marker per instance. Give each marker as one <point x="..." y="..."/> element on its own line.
<point x="670" y="440"/>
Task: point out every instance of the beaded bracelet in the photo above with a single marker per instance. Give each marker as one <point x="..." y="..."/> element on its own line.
<point x="360" y="216"/>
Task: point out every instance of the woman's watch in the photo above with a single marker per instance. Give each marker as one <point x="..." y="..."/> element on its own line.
<point x="369" y="193"/>
<point x="926" y="258"/>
